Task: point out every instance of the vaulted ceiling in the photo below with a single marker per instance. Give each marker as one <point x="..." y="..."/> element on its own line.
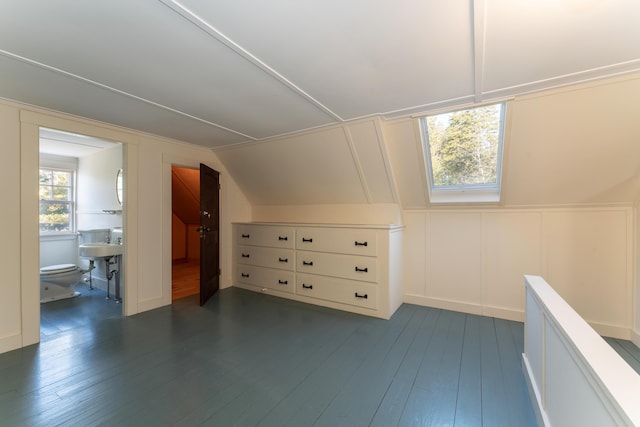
<point x="219" y="72"/>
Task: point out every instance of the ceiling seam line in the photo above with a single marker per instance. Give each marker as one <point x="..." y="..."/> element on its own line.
<point x="565" y="80"/>
<point x="479" y="15"/>
<point x="118" y="91"/>
<point x="248" y="56"/>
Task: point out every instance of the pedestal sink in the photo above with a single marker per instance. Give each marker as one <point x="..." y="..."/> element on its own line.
<point x="106" y="251"/>
<point x="100" y="250"/>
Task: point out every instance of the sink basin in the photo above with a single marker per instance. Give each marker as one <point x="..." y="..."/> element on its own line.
<point x="100" y="250"/>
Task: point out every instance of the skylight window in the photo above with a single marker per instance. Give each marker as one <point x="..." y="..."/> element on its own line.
<point x="464" y="154"/>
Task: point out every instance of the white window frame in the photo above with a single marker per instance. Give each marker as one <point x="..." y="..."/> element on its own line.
<point x="464" y="193"/>
<point x="63" y="164"/>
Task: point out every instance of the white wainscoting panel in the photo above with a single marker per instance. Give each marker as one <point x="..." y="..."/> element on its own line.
<point x="473" y="260"/>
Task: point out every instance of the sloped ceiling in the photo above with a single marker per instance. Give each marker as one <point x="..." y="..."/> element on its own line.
<point x="217" y="73"/>
<point x="185" y="194"/>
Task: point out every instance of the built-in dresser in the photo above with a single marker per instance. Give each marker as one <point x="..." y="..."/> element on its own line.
<point x="347" y="267"/>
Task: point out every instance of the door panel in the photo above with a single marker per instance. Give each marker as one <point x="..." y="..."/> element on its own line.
<point x="209" y="232"/>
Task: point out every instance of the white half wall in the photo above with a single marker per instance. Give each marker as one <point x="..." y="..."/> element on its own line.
<point x="473" y="261"/>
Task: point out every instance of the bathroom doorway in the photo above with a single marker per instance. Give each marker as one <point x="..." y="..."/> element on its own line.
<point x="80" y="202"/>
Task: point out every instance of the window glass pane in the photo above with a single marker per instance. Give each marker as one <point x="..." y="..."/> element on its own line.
<point x="61" y="178"/>
<point x="61" y="193"/>
<point x="55" y="217"/>
<point x="464" y="147"/>
<point x="45" y="193"/>
<point x="56" y="201"/>
<point x="45" y="176"/>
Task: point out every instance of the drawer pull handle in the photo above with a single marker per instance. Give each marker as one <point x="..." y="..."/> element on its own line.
<point x="283" y="259"/>
<point x="246" y="255"/>
<point x="283" y="282"/>
<point x="360" y="243"/>
<point x="246" y="236"/>
<point x="283" y="238"/>
<point x="307" y="262"/>
<point x="244" y="274"/>
<point x="307" y="240"/>
<point x="365" y="296"/>
<point x="362" y="270"/>
<point x="307" y="286"/>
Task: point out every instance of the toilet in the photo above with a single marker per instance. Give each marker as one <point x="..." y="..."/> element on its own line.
<point x="58" y="281"/>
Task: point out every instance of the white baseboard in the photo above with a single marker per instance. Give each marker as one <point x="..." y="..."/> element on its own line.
<point x="635" y="337"/>
<point x="12" y="342"/>
<point x="150" y="304"/>
<point x="465" y="307"/>
<point x="612" y="331"/>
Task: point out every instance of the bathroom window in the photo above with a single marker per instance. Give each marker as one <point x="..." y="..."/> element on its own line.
<point x="57" y="201"/>
<point x="464" y="154"/>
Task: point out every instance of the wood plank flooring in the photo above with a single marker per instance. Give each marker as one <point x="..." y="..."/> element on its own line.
<point x="84" y="311"/>
<point x="185" y="278"/>
<point x="250" y="359"/>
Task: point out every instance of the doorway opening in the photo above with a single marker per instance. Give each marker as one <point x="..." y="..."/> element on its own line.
<point x="185" y="238"/>
<point x="195" y="232"/>
<point x="81" y="202"/>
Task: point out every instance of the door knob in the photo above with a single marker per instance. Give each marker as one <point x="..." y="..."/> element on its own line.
<point x="203" y="231"/>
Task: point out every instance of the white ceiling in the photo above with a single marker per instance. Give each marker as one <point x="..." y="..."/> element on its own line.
<point x="68" y="144"/>
<point x="220" y="72"/>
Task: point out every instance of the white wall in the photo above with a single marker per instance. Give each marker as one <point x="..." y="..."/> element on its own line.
<point x="572" y="146"/>
<point x="147" y="260"/>
<point x="97" y="189"/>
<point x="10" y="252"/>
<point x="635" y="333"/>
<point x="571" y="175"/>
<point x="474" y="260"/>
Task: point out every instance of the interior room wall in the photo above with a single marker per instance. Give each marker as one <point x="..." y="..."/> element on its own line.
<point x="178" y="238"/>
<point x="11" y="252"/>
<point x="567" y="151"/>
<point x="146" y="223"/>
<point x="97" y="189"/>
<point x="193" y="242"/>
<point x="474" y="261"/>
<point x="635" y="333"/>
<point x="570" y="179"/>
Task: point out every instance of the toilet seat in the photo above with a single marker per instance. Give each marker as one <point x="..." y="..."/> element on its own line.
<point x="57" y="269"/>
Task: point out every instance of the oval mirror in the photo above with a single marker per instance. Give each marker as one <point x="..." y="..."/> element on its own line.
<point x="119" y="186"/>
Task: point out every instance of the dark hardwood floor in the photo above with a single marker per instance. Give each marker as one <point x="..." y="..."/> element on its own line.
<point x="250" y="359"/>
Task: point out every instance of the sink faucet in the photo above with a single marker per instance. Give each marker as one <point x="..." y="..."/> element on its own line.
<point x="107" y="240"/>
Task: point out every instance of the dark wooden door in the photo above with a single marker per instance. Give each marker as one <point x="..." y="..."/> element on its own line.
<point x="209" y="232"/>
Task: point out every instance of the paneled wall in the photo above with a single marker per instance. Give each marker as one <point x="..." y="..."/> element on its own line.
<point x="474" y="260"/>
<point x="146" y="219"/>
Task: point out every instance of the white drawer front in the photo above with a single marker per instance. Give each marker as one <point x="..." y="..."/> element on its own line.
<point x="340" y="240"/>
<point x="264" y="235"/>
<point x="337" y="265"/>
<point x="266" y="257"/>
<point x="265" y="277"/>
<point x="338" y="290"/>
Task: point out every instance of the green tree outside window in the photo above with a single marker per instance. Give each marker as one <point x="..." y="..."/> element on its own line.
<point x="464" y="147"/>
<point x="56" y="200"/>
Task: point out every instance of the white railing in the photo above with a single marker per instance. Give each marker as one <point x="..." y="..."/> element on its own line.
<point x="575" y="378"/>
